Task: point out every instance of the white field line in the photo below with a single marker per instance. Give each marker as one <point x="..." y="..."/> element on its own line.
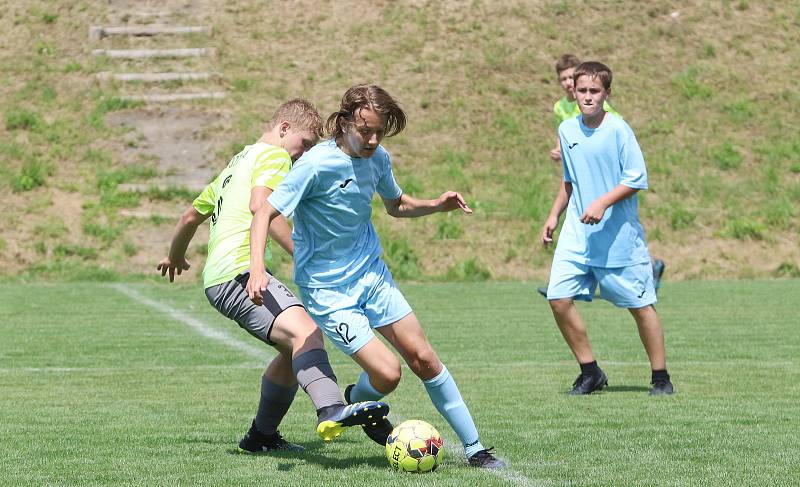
<point x="115" y="370"/>
<point x="193" y="323"/>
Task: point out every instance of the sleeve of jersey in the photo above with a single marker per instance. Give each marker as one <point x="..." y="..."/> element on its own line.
<point x="387" y="185"/>
<point x="204" y="204"/>
<point x="564" y="155"/>
<point x="297" y="184"/>
<point x="270" y="169"/>
<point x="634" y="172"/>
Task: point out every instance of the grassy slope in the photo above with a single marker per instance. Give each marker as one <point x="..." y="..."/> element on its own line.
<point x="707" y="92"/>
<point x="114" y="392"/>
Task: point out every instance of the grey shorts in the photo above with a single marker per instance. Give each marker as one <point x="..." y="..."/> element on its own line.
<point x="230" y="298"/>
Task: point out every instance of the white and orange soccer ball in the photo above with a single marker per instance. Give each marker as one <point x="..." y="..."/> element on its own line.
<point x="414" y="446"/>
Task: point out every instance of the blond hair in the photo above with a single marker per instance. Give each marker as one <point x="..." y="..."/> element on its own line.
<point x="301" y="114"/>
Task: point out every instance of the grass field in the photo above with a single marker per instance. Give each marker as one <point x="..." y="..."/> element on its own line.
<point x="104" y="385"/>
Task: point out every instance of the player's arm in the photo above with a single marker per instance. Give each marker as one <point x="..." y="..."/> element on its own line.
<point x="264" y="215"/>
<point x="559" y="205"/>
<point x="408" y="207"/>
<point x="175" y="261"/>
<point x="279" y="230"/>
<point x="598" y="208"/>
<point x="555" y="152"/>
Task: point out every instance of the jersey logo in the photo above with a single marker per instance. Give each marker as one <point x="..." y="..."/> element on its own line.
<point x="570" y="146"/>
<point x="227" y="180"/>
<point x="345" y="183"/>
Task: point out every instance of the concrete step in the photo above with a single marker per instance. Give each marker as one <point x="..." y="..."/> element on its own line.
<point x="154" y="53"/>
<point x="97" y="32"/>
<point x="156" y="77"/>
<point x="167" y="97"/>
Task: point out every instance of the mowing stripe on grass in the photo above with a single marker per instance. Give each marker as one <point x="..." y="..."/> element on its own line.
<point x="193" y="323"/>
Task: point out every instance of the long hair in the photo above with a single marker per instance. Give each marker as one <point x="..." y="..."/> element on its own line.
<point x="371" y="97"/>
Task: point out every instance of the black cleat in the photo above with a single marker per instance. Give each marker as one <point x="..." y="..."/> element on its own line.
<point x="661" y="387"/>
<point x="542" y="291"/>
<point x="486" y="459"/>
<point x="257" y="442"/>
<point x="588" y="383"/>
<point x="377" y="431"/>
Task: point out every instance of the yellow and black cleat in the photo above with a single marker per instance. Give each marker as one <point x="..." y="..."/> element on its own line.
<point x="358" y="414"/>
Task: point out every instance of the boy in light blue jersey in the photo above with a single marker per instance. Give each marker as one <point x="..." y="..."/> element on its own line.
<point x="567" y="108"/>
<point x="344" y="283"/>
<point x="602" y="241"/>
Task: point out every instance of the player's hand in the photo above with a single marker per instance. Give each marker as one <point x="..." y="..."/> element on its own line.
<point x="555" y="154"/>
<point x="167" y="265"/>
<point x="548" y="230"/>
<point x="593" y="214"/>
<point x="257" y="285"/>
<point x="450" y="201"/>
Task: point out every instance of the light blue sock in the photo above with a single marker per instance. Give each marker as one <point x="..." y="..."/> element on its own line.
<point x="445" y="396"/>
<point x="363" y="390"/>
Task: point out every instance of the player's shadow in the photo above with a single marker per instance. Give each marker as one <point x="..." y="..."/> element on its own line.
<point x="625" y="389"/>
<point x="315" y="453"/>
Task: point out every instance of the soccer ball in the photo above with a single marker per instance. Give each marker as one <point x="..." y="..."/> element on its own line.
<point x="414" y="446"/>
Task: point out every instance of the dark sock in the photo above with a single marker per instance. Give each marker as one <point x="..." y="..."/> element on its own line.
<point x="327" y="412"/>
<point x="590" y="369"/>
<point x="660" y="375"/>
<point x="274" y="403"/>
<point x="315" y="376"/>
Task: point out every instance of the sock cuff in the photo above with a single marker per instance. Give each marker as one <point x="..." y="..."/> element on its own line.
<point x="440" y="379"/>
<point x="273" y="390"/>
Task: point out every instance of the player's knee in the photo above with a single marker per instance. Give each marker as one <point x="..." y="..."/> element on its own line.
<point x="386" y="379"/>
<point x="560" y="306"/>
<point x="424" y="363"/>
<point x="296" y="328"/>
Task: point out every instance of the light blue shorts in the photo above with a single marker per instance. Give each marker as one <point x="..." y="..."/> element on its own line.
<point x="626" y="287"/>
<point x="347" y="314"/>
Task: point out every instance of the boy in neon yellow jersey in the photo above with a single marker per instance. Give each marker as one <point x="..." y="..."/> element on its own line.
<point x="281" y="321"/>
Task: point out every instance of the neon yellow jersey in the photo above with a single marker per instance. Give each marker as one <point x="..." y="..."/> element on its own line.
<point x="227" y="199"/>
<point x="565" y="109"/>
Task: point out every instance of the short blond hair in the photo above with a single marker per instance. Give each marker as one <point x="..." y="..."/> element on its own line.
<point x="301" y="114"/>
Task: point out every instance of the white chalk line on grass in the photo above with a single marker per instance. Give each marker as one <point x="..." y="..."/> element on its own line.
<point x="114" y="370"/>
<point x="201" y="328"/>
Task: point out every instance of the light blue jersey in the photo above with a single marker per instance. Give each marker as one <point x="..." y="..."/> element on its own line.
<point x="330" y="195"/>
<point x="595" y="161"/>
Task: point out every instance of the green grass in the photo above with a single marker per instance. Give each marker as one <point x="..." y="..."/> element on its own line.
<point x="101" y="389"/>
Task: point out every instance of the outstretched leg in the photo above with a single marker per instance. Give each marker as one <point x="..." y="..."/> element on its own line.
<point x="407" y="337"/>
<point x="296" y="333"/>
